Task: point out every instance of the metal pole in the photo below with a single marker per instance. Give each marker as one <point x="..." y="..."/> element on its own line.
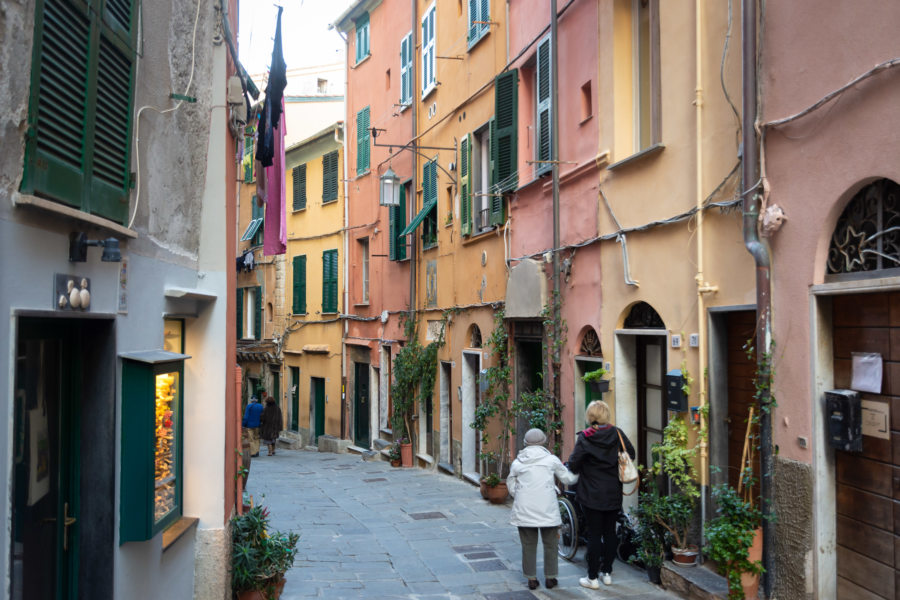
<point x="760" y="253"/>
<point x="554" y="157"/>
<point x="411" y="201"/>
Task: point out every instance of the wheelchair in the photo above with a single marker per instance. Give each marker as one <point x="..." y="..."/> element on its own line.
<point x="572" y="530"/>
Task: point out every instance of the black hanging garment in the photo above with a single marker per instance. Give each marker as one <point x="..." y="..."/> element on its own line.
<point x="271" y="112"/>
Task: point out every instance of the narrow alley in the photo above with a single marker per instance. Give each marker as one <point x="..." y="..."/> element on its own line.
<point x="368" y="530"/>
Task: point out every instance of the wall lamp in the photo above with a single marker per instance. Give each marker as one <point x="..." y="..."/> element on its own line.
<point x="390" y="189"/>
<point x="78" y="245"/>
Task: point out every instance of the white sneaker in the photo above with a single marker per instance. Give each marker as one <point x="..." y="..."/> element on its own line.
<point x="607" y="579"/>
<point x="589" y="583"/>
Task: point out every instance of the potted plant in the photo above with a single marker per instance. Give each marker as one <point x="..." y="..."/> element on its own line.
<point x="729" y="539"/>
<point x="394" y="455"/>
<point x="259" y="558"/>
<point x="649" y="534"/>
<point x="674" y="459"/>
<point x="497" y="491"/>
<point x="597" y="380"/>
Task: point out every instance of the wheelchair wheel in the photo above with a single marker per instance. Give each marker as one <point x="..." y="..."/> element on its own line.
<point x="568" y="531"/>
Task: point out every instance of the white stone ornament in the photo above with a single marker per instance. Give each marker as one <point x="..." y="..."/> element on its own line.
<point x="84" y="294"/>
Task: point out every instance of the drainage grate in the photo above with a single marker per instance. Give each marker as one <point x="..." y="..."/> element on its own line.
<point x="480" y="555"/>
<point x="476" y="548"/>
<point x="517" y="595"/>
<point x="374" y="479"/>
<point x="480" y="566"/>
<point x="426" y="515"/>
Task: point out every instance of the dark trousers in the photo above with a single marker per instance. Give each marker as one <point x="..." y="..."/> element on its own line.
<point x="600" y="526"/>
<point x="550" y="541"/>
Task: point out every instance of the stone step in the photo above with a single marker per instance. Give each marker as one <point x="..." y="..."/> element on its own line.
<point x="693" y="583"/>
<point x="381" y="444"/>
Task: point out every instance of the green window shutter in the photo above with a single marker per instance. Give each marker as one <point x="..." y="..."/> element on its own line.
<point x="362" y="141"/>
<point x="496" y="214"/>
<point x="257" y="212"/>
<point x="485" y="16"/>
<point x="299" y="288"/>
<point x="362" y="37"/>
<point x="329" y="281"/>
<point x="240" y="313"/>
<point x="543" y="106"/>
<point x="505" y="147"/>
<point x="330" y="176"/>
<point x="406" y="69"/>
<point x="257" y="314"/>
<point x="465" y="183"/>
<point x="398" y="224"/>
<point x="248" y="160"/>
<point x="299" y="176"/>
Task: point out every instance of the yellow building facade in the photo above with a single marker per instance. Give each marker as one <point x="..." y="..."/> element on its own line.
<point x="314" y="290"/>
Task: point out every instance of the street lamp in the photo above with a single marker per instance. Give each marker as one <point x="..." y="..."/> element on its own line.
<point x="390" y="189"/>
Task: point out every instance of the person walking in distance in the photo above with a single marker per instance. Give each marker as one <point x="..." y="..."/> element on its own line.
<point x="599" y="492"/>
<point x="535" y="508"/>
<point x="271" y="423"/>
<point x="250" y="422"/>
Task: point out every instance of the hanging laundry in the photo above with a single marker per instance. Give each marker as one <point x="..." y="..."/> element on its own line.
<point x="275" y="232"/>
<point x="273" y="107"/>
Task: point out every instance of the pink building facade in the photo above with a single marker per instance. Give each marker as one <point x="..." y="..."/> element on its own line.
<point x="835" y="171"/>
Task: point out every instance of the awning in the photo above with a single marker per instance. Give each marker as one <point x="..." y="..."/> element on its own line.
<point x="417" y="220"/>
<point x="252" y="228"/>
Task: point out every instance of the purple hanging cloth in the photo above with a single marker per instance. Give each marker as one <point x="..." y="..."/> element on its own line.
<point x="275" y="232"/>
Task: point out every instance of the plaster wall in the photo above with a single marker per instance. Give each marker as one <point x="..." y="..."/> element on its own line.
<point x="178" y="223"/>
<point x="327" y="366"/>
<point x="808" y="178"/>
<point x="375" y="82"/>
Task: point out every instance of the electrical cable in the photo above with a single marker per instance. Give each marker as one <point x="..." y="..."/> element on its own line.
<point x="137" y="119"/>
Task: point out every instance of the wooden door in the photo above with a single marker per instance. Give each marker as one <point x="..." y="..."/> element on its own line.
<point x="318" y="407"/>
<point x="361" y="405"/>
<point x="295" y="398"/>
<point x="741" y="327"/>
<point x="868" y="482"/>
<point x="652" y="415"/>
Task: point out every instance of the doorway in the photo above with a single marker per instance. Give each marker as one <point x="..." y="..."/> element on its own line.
<point x="651" y="405"/>
<point x="317" y="408"/>
<point x="295" y="398"/>
<point x="361" y="405"/>
<point x="529" y="377"/>
<point x="469" y="391"/>
<point x="446" y="436"/>
<point x="61" y="533"/>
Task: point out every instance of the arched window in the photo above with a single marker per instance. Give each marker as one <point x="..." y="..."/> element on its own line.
<point x="590" y="344"/>
<point x="867" y="235"/>
<point x="643" y="316"/>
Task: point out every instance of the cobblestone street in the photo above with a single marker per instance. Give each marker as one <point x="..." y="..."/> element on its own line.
<point x="368" y="530"/>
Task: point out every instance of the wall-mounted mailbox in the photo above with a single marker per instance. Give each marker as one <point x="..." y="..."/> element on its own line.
<point x="844" y="411"/>
<point x="676" y="400"/>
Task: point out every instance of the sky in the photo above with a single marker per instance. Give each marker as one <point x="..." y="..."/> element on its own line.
<point x="304" y="32"/>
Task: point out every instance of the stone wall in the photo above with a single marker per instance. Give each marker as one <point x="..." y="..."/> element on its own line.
<point x="793" y="529"/>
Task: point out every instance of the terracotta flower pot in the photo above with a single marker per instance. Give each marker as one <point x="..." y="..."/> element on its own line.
<point x="484" y="489"/>
<point x="750" y="581"/>
<point x="685" y="557"/>
<point x="406" y="457"/>
<point x="395" y="463"/>
<point x="261" y="594"/>
<point x="497" y="494"/>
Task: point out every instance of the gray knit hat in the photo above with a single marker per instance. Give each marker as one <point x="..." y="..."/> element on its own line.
<point x="535" y="437"/>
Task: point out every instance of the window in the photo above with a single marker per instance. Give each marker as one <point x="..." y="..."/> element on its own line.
<point x="406" y="58"/>
<point x="329" y="281"/>
<point x="249" y="313"/>
<point x="78" y="147"/>
<point x="364" y="259"/>
<point x="542" y="101"/>
<point x="298" y="306"/>
<point x="362" y="141"/>
<point x="362" y="37"/>
<point x="429" y="198"/>
<point x="646" y="73"/>
<point x="397" y="250"/>
<point x="322" y="86"/>
<point x="247" y="160"/>
<point x="254" y="231"/>
<point x="330" y="176"/>
<point x="429" y="79"/>
<point x="299" y="176"/>
<point x="479" y="20"/>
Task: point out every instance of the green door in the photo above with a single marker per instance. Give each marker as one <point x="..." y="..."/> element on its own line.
<point x="46" y="472"/>
<point x="295" y="398"/>
<point x="361" y="405"/>
<point x="318" y="404"/>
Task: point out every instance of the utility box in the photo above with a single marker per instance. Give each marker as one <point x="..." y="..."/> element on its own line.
<point x="676" y="400"/>
<point x="844" y="410"/>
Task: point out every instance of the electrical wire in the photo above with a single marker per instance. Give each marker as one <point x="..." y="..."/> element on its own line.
<point x="137" y="127"/>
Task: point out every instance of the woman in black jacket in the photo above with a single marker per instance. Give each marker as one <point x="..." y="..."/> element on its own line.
<point x="599" y="491"/>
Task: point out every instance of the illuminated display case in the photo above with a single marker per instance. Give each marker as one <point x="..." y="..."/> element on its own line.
<point x="152" y="443"/>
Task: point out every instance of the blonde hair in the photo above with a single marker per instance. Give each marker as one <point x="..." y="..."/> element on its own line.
<point x="597" y="412"/>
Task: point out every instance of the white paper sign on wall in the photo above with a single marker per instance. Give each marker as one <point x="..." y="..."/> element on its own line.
<point x="876" y="419"/>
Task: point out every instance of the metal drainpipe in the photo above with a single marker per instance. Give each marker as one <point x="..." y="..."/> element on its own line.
<point x="411" y="202"/>
<point x="554" y="157"/>
<point x="760" y="253"/>
<point x="345" y="376"/>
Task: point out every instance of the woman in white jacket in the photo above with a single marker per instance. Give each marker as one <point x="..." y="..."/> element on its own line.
<point x="535" y="508"/>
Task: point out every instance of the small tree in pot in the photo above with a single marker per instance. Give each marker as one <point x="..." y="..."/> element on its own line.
<point x="259" y="558"/>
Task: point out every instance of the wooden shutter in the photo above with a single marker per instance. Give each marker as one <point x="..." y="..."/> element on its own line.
<point x="330" y="176"/>
<point x="543" y="105"/>
<point x="362" y="37"/>
<point x="473" y="16"/>
<point x="496" y="214"/>
<point x="504" y="148"/>
<point x="485" y="16"/>
<point x="428" y="50"/>
<point x="465" y="181"/>
<point x="329" y="281"/>
<point x="299" y="175"/>
<point x="406" y="69"/>
<point x="240" y="313"/>
<point x="299" y="287"/>
<point x="257" y="313"/>
<point x="398" y="224"/>
<point x="362" y="141"/>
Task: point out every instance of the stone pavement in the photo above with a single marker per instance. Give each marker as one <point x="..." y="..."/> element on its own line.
<point x="369" y="530"/>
